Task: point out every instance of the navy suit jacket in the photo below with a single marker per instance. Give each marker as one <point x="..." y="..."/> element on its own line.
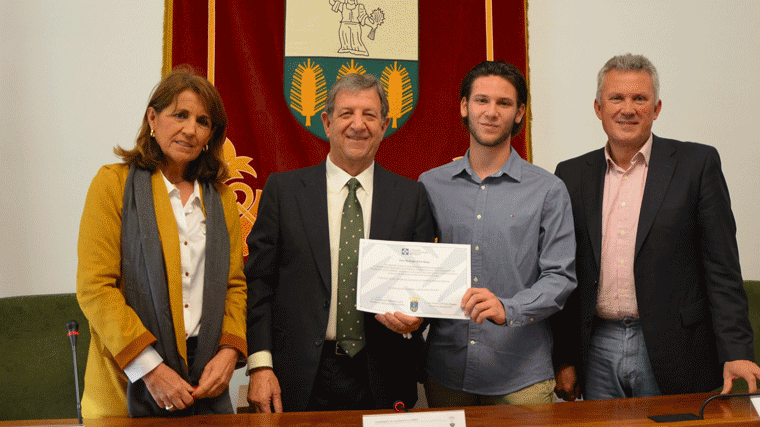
<point x="289" y="286"/>
<point x="689" y="290"/>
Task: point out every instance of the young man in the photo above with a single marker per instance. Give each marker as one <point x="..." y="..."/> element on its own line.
<point x="518" y="220"/>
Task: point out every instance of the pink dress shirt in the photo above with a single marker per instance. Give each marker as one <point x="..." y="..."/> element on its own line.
<point x="623" y="192"/>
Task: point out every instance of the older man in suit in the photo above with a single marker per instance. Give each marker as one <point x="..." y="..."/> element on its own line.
<point x="310" y="349"/>
<point x="660" y="307"/>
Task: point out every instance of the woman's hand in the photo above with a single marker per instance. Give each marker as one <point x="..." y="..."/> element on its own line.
<point x="217" y="374"/>
<point x="168" y="389"/>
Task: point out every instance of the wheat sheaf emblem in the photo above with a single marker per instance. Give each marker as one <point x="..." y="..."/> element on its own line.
<point x="309" y="91"/>
<point x="398" y="87"/>
<point x="350" y="68"/>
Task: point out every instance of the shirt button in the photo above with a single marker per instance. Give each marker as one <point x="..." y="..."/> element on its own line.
<point x="622" y="232"/>
<point x="478" y="216"/>
<point x="472" y="342"/>
<point x="187" y="305"/>
<point x="317" y="343"/>
<point x="185" y="243"/>
<point x="482" y="187"/>
<point x="475" y="280"/>
<point x="477" y="248"/>
<point x="187" y="273"/>
<point x="511" y="322"/>
<point x="622" y="204"/>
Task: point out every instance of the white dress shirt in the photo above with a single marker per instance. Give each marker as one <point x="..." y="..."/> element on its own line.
<point x="337" y="191"/>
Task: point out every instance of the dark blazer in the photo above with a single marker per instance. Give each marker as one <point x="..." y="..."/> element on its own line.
<point x="691" y="300"/>
<point x="289" y="287"/>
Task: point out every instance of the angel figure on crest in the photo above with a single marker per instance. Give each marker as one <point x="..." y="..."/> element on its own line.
<point x="353" y="16"/>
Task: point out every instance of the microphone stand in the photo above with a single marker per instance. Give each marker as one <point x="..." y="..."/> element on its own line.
<point x="73" y="331"/>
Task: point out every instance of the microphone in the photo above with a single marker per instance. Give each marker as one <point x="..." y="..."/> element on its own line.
<point x="723" y="396"/>
<point x="691" y="417"/>
<point x="400" y="407"/>
<point x="73" y="331"/>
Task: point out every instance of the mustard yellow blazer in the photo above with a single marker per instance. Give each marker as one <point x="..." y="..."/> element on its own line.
<point x="117" y="334"/>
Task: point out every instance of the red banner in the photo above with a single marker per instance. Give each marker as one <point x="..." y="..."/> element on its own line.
<point x="240" y="47"/>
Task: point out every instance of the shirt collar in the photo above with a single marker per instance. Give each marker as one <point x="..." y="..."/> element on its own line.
<point x="172" y="189"/>
<point x="337" y="177"/>
<point x="643" y="154"/>
<point x="510" y="168"/>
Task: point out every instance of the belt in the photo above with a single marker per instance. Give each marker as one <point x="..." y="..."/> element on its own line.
<point x="622" y="321"/>
<point x="334" y="348"/>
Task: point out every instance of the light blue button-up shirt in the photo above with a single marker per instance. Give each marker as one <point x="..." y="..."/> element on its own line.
<point x="519" y="223"/>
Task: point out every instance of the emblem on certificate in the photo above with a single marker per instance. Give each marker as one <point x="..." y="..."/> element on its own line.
<point x="414" y="303"/>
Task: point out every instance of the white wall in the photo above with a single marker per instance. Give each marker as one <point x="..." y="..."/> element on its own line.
<point x="707" y="55"/>
<point x="75" y="77"/>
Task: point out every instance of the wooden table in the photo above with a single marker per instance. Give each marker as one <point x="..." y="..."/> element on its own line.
<point x="619" y="413"/>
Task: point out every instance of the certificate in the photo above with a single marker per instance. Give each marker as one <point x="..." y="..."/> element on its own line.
<point x="418" y="279"/>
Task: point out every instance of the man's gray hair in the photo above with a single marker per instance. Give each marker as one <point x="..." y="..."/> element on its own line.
<point x="628" y="62"/>
<point x="354" y="83"/>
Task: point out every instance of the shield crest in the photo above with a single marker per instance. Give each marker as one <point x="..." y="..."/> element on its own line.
<point x="414" y="303"/>
<point x="325" y="40"/>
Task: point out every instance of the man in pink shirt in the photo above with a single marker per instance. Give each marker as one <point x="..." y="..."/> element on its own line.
<point x="660" y="306"/>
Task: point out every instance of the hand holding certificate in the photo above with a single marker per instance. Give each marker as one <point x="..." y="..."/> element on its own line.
<point x="418" y="279"/>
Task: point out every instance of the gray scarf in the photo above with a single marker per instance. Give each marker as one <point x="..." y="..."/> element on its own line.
<point x="145" y="283"/>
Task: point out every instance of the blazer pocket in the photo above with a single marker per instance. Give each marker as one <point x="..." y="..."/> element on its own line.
<point x="694" y="313"/>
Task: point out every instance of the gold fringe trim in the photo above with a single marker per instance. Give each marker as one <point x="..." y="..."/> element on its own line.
<point x="489" y="30"/>
<point x="211" y="61"/>
<point x="168" y="36"/>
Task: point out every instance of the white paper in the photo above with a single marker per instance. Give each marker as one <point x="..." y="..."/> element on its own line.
<point x="416" y="419"/>
<point x="417" y="279"/>
<point x="756" y="403"/>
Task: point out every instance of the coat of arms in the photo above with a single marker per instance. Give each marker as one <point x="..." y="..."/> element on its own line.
<point x="327" y="39"/>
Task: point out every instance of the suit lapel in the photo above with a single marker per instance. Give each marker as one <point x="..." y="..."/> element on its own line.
<point x="384" y="205"/>
<point x="312" y="205"/>
<point x="592" y="201"/>
<point x="662" y="163"/>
